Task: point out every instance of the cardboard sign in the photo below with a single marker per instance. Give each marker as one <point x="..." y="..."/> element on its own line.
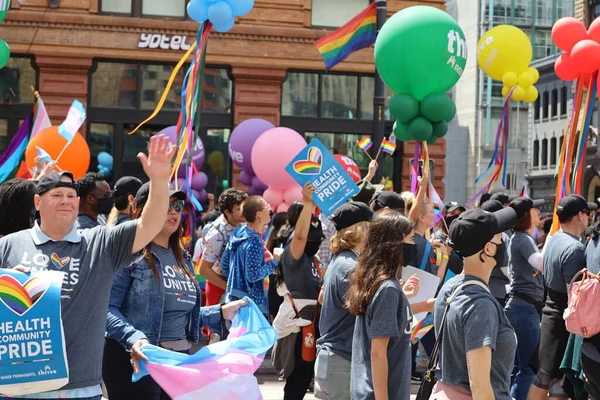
<point x="316" y="164"/>
<point x="32" y="348"/>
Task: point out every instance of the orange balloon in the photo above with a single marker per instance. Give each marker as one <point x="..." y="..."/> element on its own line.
<point x="75" y="159"/>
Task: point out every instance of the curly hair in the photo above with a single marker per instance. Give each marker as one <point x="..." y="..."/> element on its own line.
<point x="16" y="205"/>
<point x="350" y="238"/>
<point x="231" y="198"/>
<point x="382" y="258"/>
<point x="88" y="183"/>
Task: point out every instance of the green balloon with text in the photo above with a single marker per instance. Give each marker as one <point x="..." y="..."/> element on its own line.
<point x="420" y="50"/>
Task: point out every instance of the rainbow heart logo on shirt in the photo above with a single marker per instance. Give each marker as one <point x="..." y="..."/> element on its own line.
<point x="179" y="271"/>
<point x="21" y="297"/>
<point x="59" y="262"/>
<point x="312" y="165"/>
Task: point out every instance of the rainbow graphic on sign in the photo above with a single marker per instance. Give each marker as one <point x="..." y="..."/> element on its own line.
<point x="20" y="298"/>
<point x="312" y="165"/>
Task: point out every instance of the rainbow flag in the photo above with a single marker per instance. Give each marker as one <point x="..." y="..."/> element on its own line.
<point x="365" y="143"/>
<point x="223" y="370"/>
<point x="422" y="327"/>
<point x="10" y="160"/>
<point x="388" y="147"/>
<point x="359" y="33"/>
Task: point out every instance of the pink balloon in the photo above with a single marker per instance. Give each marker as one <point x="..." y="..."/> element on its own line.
<point x="283" y="207"/>
<point x="199" y="181"/>
<point x="272" y="152"/>
<point x="567" y="31"/>
<point x="273" y="196"/>
<point x="293" y="194"/>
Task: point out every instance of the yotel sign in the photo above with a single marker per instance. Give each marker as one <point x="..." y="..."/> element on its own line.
<point x="164" y="42"/>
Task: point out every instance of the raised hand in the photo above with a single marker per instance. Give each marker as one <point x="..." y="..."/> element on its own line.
<point x="157" y="164"/>
<point x="307" y="192"/>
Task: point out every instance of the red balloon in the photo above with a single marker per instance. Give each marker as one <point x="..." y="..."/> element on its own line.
<point x="565" y="69"/>
<point x="349" y="166"/>
<point x="594" y="30"/>
<point x="567" y="31"/>
<point x="586" y="56"/>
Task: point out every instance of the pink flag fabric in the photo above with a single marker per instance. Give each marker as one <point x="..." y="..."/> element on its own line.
<point x="41" y="120"/>
<point x="223" y="370"/>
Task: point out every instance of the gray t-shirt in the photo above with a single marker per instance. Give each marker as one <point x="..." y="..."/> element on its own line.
<point x="90" y="260"/>
<point x="300" y="276"/>
<point x="180" y="296"/>
<point x="524" y="278"/>
<point x="475" y="320"/>
<point x="592" y="255"/>
<point x="122" y="218"/>
<point x="337" y="322"/>
<point x="388" y="315"/>
<point x="563" y="259"/>
<point x="86" y="222"/>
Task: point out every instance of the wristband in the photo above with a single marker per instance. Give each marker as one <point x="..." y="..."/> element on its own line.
<point x="445" y="257"/>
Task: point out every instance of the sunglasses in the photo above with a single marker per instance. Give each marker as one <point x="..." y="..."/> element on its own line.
<point x="177" y="205"/>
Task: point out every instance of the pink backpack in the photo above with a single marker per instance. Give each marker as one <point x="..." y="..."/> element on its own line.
<point x="581" y="315"/>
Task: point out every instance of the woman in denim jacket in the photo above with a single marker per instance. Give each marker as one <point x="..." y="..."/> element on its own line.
<point x="156" y="300"/>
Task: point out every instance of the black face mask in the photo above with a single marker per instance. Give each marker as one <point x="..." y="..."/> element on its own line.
<point x="312" y="248"/>
<point x="105" y="205"/>
<point x="410" y="252"/>
<point x="500" y="254"/>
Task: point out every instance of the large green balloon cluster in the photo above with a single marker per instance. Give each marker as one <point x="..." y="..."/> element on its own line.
<point x="426" y="120"/>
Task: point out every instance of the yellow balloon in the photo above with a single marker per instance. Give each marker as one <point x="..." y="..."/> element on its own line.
<point x="510" y="79"/>
<point x="531" y="94"/>
<point x="502" y="49"/>
<point x="535" y="73"/>
<point x="519" y="94"/>
<point x="505" y="91"/>
<point x="525" y="80"/>
<point x="216" y="162"/>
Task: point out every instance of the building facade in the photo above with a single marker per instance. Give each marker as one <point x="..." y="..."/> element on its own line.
<point x="117" y="55"/>
<point x="479" y="99"/>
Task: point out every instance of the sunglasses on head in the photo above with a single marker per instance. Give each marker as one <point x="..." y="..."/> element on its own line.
<point x="177" y="205"/>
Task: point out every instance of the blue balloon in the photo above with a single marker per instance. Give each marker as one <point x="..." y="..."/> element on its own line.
<point x="225" y="27"/>
<point x="105" y="160"/>
<point x="221" y="14"/>
<point x="241" y="7"/>
<point x="198" y="10"/>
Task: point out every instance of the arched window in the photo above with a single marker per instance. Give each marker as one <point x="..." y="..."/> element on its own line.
<point x="554" y="99"/>
<point x="545" y="105"/>
<point x="553" y="152"/>
<point x="536" y="153"/>
<point x="544" y="152"/>
<point x="536" y="109"/>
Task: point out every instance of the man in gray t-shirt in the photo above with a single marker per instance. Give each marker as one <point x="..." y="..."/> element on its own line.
<point x="89" y="258"/>
<point x="387" y="316"/>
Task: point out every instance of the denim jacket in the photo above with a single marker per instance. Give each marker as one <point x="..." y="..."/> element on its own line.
<point x="136" y="306"/>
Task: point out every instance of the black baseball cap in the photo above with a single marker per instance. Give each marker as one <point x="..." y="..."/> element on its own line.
<point x="55" y="180"/>
<point x="502" y="197"/>
<point x="387" y="199"/>
<point x="573" y="204"/>
<point x="453" y="206"/>
<point x="127" y="185"/>
<point x="492" y="206"/>
<point x="474" y="228"/>
<point x="351" y="213"/>
<point x="142" y="194"/>
<point x="523" y="204"/>
<point x="484" y="197"/>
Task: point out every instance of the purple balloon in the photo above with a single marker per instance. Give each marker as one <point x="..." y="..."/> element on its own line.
<point x="242" y="140"/>
<point x="258" y="184"/>
<point x="199" y="152"/>
<point x="181" y="185"/>
<point x="199" y="181"/>
<point x="253" y="191"/>
<point x="246" y="178"/>
<point x="199" y="195"/>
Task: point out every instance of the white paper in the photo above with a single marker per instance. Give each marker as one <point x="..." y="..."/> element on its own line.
<point x="428" y="285"/>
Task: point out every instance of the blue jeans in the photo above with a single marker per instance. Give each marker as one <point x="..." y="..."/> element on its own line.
<point x="526" y="322"/>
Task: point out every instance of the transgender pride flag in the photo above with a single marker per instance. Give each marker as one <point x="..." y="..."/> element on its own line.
<point x="223" y="370"/>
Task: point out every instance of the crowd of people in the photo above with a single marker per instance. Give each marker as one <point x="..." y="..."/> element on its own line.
<point x="330" y="285"/>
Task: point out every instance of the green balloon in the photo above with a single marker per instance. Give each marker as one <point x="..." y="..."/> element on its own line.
<point x="420" y="50"/>
<point x="440" y="129"/>
<point x="3" y="15"/>
<point x="401" y="131"/>
<point x="420" y="129"/>
<point x="431" y="140"/>
<point x="404" y="107"/>
<point x="4" y="53"/>
<point x="438" y="107"/>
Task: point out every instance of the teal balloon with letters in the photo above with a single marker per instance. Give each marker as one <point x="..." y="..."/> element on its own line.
<point x="420" y="50"/>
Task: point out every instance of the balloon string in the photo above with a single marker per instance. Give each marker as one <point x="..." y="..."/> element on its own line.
<point x="415" y="168"/>
<point x="579" y="164"/>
